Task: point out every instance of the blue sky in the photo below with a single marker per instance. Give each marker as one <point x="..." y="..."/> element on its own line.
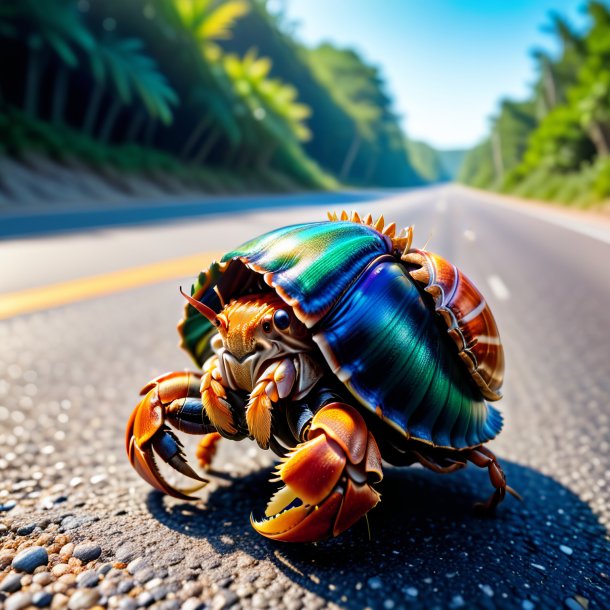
<point x="447" y="63"/>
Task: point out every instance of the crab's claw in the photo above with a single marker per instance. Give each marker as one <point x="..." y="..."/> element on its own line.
<point x="327" y="479"/>
<point x="148" y="434"/>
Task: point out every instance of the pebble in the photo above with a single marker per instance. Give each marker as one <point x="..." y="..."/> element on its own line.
<point x="18" y="600"/>
<point x="26" y="530"/>
<point x="565" y="549"/>
<point x="125" y="553"/>
<point x="60" y="569"/>
<point x="144" y="575"/>
<point x="128" y="603"/>
<point x="66" y="550"/>
<point x="43" y="578"/>
<point x="410" y="591"/>
<point x="29" y="559"/>
<point x="223" y="599"/>
<point x="375" y="582"/>
<point x="192" y="603"/>
<point x="457" y="601"/>
<point x="125" y="586"/>
<point x="8" y="506"/>
<point x="145" y="598"/>
<point x="87" y="579"/>
<point x="11" y="583"/>
<point x="570" y="603"/>
<point x="83" y="598"/>
<point x="42" y="599"/>
<point x="137" y="564"/>
<point x="528" y="605"/>
<point x="87" y="551"/>
<point x="104" y="569"/>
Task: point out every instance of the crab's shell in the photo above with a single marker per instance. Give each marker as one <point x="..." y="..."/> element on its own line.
<point x="426" y="375"/>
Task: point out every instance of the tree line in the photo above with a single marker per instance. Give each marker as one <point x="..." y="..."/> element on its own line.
<point x="556" y="144"/>
<point x="210" y="84"/>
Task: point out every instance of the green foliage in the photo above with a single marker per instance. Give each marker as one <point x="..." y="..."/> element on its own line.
<point x="124" y="64"/>
<point x="427" y="162"/>
<point x="556" y="144"/>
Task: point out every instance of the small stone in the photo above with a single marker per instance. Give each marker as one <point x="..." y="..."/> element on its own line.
<point x="42" y="599"/>
<point x="192" y="603"/>
<point x="104" y="569"/>
<point x="5" y="560"/>
<point x="144" y="575"/>
<point x="83" y="598"/>
<point x="11" y="583"/>
<point x="18" y="600"/>
<point x="8" y="506"/>
<point x="125" y="553"/>
<point x="145" y="599"/>
<point x="528" y="605"/>
<point x="538" y="567"/>
<point x="410" y="591"/>
<point x="565" y="549"/>
<point x="375" y="582"/>
<point x="26" y="530"/>
<point x="457" y="601"/>
<point x="67" y="550"/>
<point x="29" y="559"/>
<point x="155" y="582"/>
<point x="137" y="564"/>
<point x="87" y="579"/>
<point x="60" y="601"/>
<point x="87" y="551"/>
<point x="128" y="603"/>
<point x="60" y="569"/>
<point x="125" y="586"/>
<point x="223" y="599"/>
<point x="43" y="578"/>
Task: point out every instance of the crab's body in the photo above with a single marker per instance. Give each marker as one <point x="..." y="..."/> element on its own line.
<point x="338" y="340"/>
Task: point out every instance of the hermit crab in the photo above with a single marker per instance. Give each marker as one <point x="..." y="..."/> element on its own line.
<point x="336" y="345"/>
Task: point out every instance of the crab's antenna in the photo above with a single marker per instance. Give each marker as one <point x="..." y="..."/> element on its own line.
<point x="204" y="310"/>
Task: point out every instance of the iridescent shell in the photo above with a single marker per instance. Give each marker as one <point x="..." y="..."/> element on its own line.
<point x="374" y="324"/>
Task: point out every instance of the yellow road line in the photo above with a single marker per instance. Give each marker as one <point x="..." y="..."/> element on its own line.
<point x="63" y="293"/>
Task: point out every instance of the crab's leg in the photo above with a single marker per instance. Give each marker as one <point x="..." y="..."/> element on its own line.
<point x="214" y="397"/>
<point x="275" y="383"/>
<point x="484" y="458"/>
<point x="328" y="479"/>
<point x="171" y="398"/>
<point x="206" y="450"/>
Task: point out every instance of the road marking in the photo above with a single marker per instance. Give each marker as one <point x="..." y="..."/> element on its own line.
<point x="498" y="287"/>
<point x="63" y="293"/>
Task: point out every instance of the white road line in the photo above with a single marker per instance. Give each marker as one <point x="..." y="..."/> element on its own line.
<point x="498" y="287"/>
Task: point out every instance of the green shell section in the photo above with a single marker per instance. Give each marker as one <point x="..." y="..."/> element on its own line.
<point x="390" y="349"/>
<point x="311" y="265"/>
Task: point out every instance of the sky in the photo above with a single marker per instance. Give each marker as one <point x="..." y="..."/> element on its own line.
<point x="447" y="63"/>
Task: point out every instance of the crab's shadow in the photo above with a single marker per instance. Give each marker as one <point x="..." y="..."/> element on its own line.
<point x="425" y="542"/>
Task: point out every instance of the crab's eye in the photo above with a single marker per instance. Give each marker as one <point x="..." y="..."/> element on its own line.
<point x="267" y="326"/>
<point x="281" y="319"/>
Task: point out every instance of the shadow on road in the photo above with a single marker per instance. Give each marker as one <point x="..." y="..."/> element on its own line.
<point x="426" y="545"/>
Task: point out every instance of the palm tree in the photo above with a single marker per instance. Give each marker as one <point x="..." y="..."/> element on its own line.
<point x="54" y="25"/>
<point x="122" y="65"/>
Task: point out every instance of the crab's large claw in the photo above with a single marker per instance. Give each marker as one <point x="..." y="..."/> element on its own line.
<point x="327" y="479"/>
<point x="172" y="394"/>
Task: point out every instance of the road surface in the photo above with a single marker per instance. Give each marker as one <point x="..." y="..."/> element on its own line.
<point x="69" y="377"/>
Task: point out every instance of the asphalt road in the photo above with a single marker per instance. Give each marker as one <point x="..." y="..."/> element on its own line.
<point x="69" y="377"/>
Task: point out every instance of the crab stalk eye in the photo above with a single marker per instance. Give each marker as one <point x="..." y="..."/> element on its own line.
<point x="281" y="319"/>
<point x="267" y="325"/>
